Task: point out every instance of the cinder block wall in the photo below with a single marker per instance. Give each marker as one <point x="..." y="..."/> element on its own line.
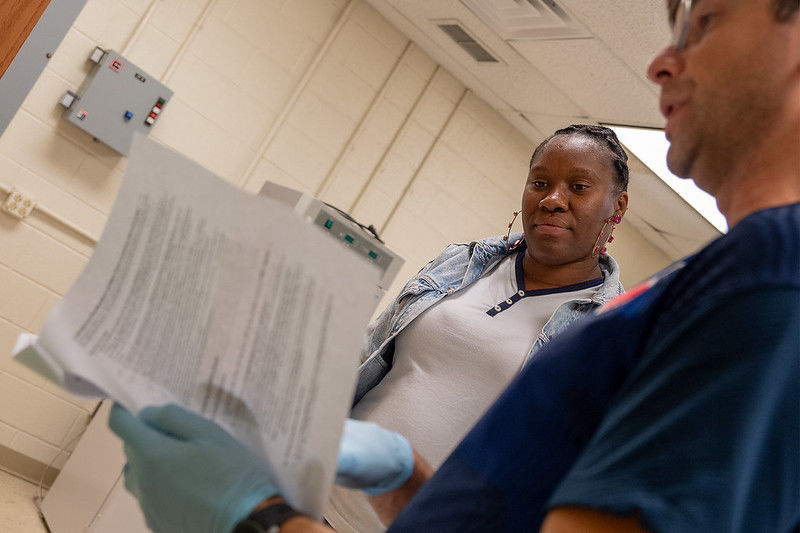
<point x="320" y="95"/>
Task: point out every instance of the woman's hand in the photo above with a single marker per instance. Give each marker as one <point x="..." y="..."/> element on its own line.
<point x="372" y="458"/>
<point x="382" y="464"/>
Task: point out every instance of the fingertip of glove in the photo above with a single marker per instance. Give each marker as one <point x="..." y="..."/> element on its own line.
<point x="408" y="465"/>
<point x="405" y="464"/>
<point x="405" y="454"/>
<point x="344" y="463"/>
<point x="120" y="419"/>
<point x="118" y="410"/>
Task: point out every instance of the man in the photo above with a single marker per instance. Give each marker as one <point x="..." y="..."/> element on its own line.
<point x="676" y="410"/>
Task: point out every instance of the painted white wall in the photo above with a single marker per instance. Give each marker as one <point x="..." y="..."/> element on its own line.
<point x="320" y="95"/>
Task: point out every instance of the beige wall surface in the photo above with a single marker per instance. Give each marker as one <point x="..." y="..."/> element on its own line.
<point x="320" y="95"/>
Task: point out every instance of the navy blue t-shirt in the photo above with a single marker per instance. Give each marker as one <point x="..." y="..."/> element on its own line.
<point x="681" y="405"/>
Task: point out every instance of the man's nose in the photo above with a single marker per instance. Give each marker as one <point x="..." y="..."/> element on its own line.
<point x="666" y="65"/>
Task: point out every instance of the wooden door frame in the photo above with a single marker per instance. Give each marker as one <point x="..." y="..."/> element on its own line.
<point x="33" y="55"/>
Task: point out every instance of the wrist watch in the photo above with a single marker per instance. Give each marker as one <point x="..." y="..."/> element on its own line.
<point x="266" y="520"/>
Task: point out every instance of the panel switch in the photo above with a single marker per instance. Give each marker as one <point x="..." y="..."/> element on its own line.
<point x="97" y="55"/>
<point x="68" y="99"/>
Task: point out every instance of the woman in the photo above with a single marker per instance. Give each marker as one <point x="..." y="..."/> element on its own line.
<point x="465" y="325"/>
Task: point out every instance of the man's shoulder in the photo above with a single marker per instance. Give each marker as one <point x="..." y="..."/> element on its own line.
<point x="762" y="251"/>
<point x="763" y="247"/>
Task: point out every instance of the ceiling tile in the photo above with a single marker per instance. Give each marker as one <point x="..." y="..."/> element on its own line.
<point x="548" y="124"/>
<point x="618" y="23"/>
<point x="524" y="124"/>
<point x="593" y="77"/>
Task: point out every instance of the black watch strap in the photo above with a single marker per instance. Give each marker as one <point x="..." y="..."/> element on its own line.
<point x="266" y="520"/>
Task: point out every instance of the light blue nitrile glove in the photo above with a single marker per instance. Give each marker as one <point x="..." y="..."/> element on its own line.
<point x="372" y="458"/>
<point x="188" y="473"/>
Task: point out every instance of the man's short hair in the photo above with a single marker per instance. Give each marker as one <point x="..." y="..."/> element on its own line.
<point x="783" y="9"/>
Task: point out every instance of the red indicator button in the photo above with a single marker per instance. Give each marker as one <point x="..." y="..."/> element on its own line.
<point x="115" y="65"/>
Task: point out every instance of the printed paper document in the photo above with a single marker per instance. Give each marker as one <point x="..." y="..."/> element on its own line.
<point x="228" y="303"/>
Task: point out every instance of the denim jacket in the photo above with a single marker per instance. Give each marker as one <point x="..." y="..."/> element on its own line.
<point x="457" y="267"/>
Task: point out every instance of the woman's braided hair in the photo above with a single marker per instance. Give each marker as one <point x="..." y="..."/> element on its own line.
<point x="604" y="137"/>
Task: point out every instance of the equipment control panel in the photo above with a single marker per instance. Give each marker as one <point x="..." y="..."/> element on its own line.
<point x="116" y="99"/>
<point x="340" y="226"/>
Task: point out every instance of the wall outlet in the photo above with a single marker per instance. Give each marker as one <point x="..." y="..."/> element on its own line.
<point x="18" y="204"/>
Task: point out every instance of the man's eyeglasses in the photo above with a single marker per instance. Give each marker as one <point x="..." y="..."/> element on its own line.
<point x="680" y="30"/>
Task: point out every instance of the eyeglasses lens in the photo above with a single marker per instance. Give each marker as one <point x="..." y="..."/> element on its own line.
<point x="681" y="27"/>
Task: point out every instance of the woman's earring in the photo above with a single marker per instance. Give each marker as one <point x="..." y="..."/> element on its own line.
<point x="605" y="235"/>
<point x="508" y="234"/>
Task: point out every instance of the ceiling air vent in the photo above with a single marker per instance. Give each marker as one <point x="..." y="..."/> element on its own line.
<point x="527" y="20"/>
<point x="465" y="41"/>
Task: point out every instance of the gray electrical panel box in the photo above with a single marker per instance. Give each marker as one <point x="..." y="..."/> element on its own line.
<point x="116" y="100"/>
